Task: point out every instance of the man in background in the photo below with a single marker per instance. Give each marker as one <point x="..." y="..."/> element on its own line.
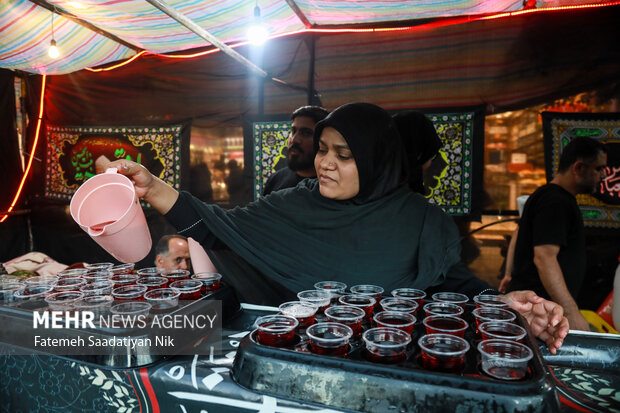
<point x="550" y="253"/>
<point x="300" y="150"/>
<point x="172" y="253"/>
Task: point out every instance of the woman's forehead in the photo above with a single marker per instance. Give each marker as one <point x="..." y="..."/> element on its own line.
<point x="330" y="136"/>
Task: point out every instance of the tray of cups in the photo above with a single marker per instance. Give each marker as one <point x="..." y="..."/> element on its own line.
<point x="123" y="294"/>
<point x="396" y="352"/>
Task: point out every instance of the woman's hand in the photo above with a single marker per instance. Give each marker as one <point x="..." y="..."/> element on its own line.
<point x="546" y="318"/>
<point x="148" y="187"/>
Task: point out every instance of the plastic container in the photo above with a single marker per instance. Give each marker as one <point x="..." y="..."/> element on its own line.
<point x="276" y="330"/>
<point x="131" y="309"/>
<point x="443" y="309"/>
<point x="493" y="330"/>
<point x="348" y="315"/>
<point x="386" y="345"/>
<point x="504" y="359"/>
<point x="153" y="283"/>
<point x="63" y="301"/>
<point x="189" y="289"/>
<point x="488" y="300"/>
<point x="399" y="304"/>
<point x="437" y="324"/>
<point x="395" y="319"/>
<point x="329" y="339"/>
<point x="69" y="284"/>
<point x="454" y="298"/>
<point x="106" y="207"/>
<point x="303" y="311"/>
<point x="211" y="281"/>
<point x="364" y="302"/>
<point x="443" y="352"/>
<point x="129" y="292"/>
<point x="162" y="298"/>
<point x="410" y="294"/>
<point x="318" y="298"/>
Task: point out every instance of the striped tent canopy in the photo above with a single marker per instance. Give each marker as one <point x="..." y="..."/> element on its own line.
<point x="91" y="33"/>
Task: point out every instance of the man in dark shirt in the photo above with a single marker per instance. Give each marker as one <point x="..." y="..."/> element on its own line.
<point x="300" y="151"/>
<point x="550" y="254"/>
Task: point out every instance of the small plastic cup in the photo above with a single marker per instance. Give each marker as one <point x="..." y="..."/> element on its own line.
<point x="189" y="289"/>
<point x="33" y="292"/>
<point x="129" y="292"/>
<point x="69" y="284"/>
<point x="399" y="304"/>
<point x="488" y="300"/>
<point x="395" y="319"/>
<point x="318" y="298"/>
<point x="153" y="283"/>
<point x="335" y="288"/>
<point x="445" y="325"/>
<point x="443" y="309"/>
<point x="131" y="309"/>
<point x="7" y="292"/>
<point x="123" y="269"/>
<point x="443" y="352"/>
<point x="176" y="275"/>
<point x="97" y="288"/>
<point x="386" y="345"/>
<point x="98" y="304"/>
<point x="370" y="290"/>
<point x="504" y="359"/>
<point x="98" y="266"/>
<point x="42" y="280"/>
<point x="95" y="276"/>
<point x="162" y="299"/>
<point x="484" y="314"/>
<point x="410" y="294"/>
<point x="211" y="281"/>
<point x="454" y="298"/>
<point x="347" y="315"/>
<point x="276" y="330"/>
<point x="63" y="301"/>
<point x="124" y="279"/>
<point x="493" y="330"/>
<point x="150" y="272"/>
<point x="329" y="339"/>
<point x="303" y="311"/>
<point x="364" y="302"/>
<point x="72" y="272"/>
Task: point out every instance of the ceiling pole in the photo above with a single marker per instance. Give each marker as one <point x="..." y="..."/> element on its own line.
<point x="84" y="23"/>
<point x="191" y="25"/>
<point x="300" y="14"/>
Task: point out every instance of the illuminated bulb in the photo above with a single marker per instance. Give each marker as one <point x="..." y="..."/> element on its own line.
<point x="257" y="33"/>
<point x="53" y="50"/>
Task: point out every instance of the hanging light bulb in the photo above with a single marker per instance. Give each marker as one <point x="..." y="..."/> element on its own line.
<point x="53" y="51"/>
<point x="257" y="33"/>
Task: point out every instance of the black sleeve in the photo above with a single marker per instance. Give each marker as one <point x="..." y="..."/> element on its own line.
<point x="268" y="188"/>
<point x="460" y="279"/>
<point x="188" y="223"/>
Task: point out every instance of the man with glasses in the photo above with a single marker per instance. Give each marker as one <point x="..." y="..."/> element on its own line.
<point x="550" y="253"/>
<point x="172" y="253"/>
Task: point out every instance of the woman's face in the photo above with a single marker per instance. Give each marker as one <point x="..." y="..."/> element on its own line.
<point x="335" y="167"/>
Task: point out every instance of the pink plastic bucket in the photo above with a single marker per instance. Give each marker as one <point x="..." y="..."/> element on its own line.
<point x="107" y="208"/>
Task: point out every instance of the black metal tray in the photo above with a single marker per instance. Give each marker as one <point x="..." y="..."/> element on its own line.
<point x="17" y="322"/>
<point x="353" y="383"/>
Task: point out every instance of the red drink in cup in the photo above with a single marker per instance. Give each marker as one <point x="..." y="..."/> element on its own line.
<point x="330" y="339"/>
<point x="410" y="294"/>
<point x="304" y="312"/>
<point x="122" y="269"/>
<point x="484" y="314"/>
<point x="501" y="330"/>
<point x="123" y="279"/>
<point x="370" y="290"/>
<point x="189" y="289"/>
<point x="386" y="345"/>
<point x="399" y="304"/>
<point x="210" y="281"/>
<point x="443" y="309"/>
<point x="151" y="272"/>
<point x="395" y="319"/>
<point x="129" y="293"/>
<point x="488" y="300"/>
<point x="454" y="298"/>
<point x="98" y="266"/>
<point x="153" y="283"/>
<point x="445" y="325"/>
<point x="69" y="284"/>
<point x="276" y="330"/>
<point x="176" y="275"/>
<point x="364" y="302"/>
<point x="347" y="315"/>
<point x="97" y="288"/>
<point x="443" y="352"/>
